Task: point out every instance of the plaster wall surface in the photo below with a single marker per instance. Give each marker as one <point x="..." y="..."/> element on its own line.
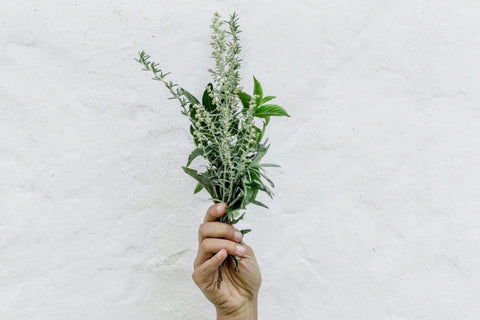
<point x="376" y="213"/>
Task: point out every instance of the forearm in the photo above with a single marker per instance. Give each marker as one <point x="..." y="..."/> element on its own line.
<point x="248" y="312"/>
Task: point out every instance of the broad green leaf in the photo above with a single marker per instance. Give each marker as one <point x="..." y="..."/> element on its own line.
<point x="257" y="90"/>
<point x="268" y="98"/>
<point x="198" y="188"/>
<point x="190" y="97"/>
<point x="268" y="110"/>
<point x="207" y="100"/>
<point x="245" y="99"/>
<point x="195" y="153"/>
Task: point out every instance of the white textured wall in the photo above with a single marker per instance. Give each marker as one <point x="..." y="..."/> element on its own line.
<point x="377" y="207"/>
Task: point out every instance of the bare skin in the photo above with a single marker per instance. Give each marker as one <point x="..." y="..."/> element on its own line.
<point x="237" y="296"/>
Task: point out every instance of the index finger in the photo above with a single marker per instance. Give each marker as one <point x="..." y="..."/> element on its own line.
<point x="215" y="211"/>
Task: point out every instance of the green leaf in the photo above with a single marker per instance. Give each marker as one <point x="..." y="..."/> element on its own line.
<point x="197" y="142"/>
<point x="260" y="152"/>
<point x="268" y="165"/>
<point x="266" y="99"/>
<point x="238" y="219"/>
<point x="268" y="179"/>
<point x="207" y="184"/>
<point x="258" y="203"/>
<point x="254" y="193"/>
<point x="207" y="100"/>
<point x="245" y="99"/>
<point x="198" y="188"/>
<point x="257" y="90"/>
<point x="192" y="111"/>
<point x="190" y="97"/>
<point x="259" y="134"/>
<point x="268" y="110"/>
<point x="195" y="153"/>
<point x="245" y="231"/>
<point x="262" y="187"/>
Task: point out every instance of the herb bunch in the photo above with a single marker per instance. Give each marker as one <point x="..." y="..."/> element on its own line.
<point x="223" y="126"/>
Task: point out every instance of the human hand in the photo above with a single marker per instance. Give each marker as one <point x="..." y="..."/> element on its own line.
<point x="237" y="296"/>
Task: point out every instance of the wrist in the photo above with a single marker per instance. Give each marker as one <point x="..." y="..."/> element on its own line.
<point x="247" y="312"/>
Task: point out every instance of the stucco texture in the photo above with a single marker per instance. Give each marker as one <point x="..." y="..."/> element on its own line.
<point x="376" y="208"/>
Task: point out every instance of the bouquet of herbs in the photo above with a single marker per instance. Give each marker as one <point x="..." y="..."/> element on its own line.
<point x="227" y="125"/>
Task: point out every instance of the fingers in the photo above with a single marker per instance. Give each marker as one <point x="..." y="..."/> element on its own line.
<point x="215" y="211"/>
<point x="216" y="240"/>
<point x="204" y="273"/>
<point x="218" y="230"/>
<point x="210" y="246"/>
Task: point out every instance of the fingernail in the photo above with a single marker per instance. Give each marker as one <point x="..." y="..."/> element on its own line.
<point x="238" y="236"/>
<point x="220" y="207"/>
<point x="241" y="250"/>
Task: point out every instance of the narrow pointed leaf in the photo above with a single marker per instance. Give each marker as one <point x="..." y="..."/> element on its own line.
<point x="207" y="184"/>
<point x="264" y="165"/>
<point x="198" y="188"/>
<point x="190" y="97"/>
<point x="238" y="219"/>
<point x="195" y="153"/>
<point x="258" y="203"/>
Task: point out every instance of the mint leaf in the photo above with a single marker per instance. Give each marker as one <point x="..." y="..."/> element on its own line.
<point x="268" y="110"/>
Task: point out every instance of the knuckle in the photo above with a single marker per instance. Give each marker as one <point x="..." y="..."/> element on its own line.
<point x="194" y="276"/>
<point x="231" y="232"/>
<point x="204" y="244"/>
<point x="211" y="209"/>
<point x="202" y="231"/>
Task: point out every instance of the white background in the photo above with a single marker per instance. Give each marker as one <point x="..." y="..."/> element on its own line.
<point x="376" y="214"/>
